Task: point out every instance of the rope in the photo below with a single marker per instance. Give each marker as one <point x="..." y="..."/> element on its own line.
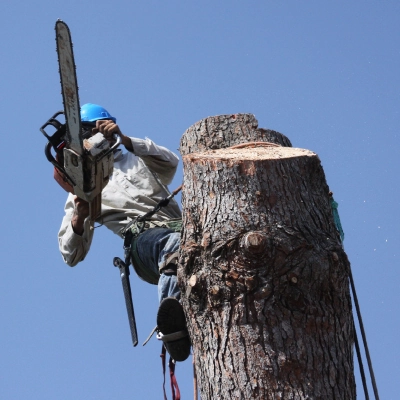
<point x="162" y="203"/>
<point x="176" y="394"/>
<point x="339" y="228"/>
<point x="162" y="355"/>
<point x="360" y="363"/>
<point x="360" y="322"/>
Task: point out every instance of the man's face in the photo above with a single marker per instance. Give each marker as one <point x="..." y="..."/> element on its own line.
<point x="88" y="129"/>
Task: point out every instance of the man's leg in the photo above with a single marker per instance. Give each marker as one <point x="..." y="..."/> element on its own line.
<point x="167" y="262"/>
<point x="168" y="287"/>
<point x="157" y="248"/>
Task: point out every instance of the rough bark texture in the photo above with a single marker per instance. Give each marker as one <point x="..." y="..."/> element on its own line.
<point x="225" y="131"/>
<point x="263" y="274"/>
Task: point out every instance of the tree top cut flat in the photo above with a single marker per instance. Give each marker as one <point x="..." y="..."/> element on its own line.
<point x="265" y="152"/>
<point x="224" y="131"/>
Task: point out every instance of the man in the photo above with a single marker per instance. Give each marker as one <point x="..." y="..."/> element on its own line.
<point x="137" y="184"/>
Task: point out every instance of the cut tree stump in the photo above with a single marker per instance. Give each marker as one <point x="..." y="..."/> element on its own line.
<point x="263" y="274"/>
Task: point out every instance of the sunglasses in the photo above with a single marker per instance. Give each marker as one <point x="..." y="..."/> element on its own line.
<point x="87" y="129"/>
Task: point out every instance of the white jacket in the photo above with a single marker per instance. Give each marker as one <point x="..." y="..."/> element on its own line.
<point x="135" y="187"/>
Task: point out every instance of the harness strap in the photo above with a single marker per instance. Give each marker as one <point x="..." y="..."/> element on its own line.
<point x="176" y="394"/>
<point x="162" y="355"/>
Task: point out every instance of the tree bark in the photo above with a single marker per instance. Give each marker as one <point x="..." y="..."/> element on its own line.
<point x="263" y="275"/>
<point x="225" y="131"/>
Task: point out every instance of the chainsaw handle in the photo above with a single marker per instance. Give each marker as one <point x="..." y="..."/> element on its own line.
<point x="113" y="147"/>
<point x="56" y="164"/>
<point x="47" y="152"/>
<point x="55" y="123"/>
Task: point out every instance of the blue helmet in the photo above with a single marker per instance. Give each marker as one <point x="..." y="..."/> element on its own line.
<point x="93" y="112"/>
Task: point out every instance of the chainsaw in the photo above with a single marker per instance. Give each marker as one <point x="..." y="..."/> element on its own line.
<point x="84" y="162"/>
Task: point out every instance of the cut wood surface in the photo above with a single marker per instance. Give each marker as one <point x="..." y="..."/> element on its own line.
<point x="225" y="131"/>
<point x="263" y="275"/>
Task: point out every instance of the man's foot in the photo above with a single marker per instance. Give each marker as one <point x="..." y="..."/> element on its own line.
<point x="171" y="322"/>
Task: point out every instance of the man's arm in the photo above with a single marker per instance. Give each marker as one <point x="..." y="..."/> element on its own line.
<point x="81" y="212"/>
<point x="109" y="128"/>
<point x="75" y="235"/>
<point x="157" y="158"/>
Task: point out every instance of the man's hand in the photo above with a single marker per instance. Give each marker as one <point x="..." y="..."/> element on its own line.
<point x="81" y="212"/>
<point x="109" y="128"/>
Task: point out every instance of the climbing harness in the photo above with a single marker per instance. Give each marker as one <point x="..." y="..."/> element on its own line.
<point x="339" y="228"/>
<point x="138" y="226"/>
<point x="131" y="233"/>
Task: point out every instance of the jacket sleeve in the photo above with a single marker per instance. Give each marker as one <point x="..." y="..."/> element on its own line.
<point x="157" y="158"/>
<point x="73" y="247"/>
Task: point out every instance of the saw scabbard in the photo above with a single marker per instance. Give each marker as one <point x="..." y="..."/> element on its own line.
<point x="126" y="285"/>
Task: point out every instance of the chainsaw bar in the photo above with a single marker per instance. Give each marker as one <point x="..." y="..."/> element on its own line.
<point x="69" y="87"/>
<point x="85" y="169"/>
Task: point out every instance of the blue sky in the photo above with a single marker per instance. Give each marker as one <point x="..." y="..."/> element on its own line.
<point x="325" y="74"/>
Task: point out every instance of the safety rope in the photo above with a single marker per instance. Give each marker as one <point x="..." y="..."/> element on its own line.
<point x="364" y="338"/>
<point x="176" y="394"/>
<point x="360" y="363"/>
<point x="162" y="203"/>
<point x="339" y="228"/>
<point x="162" y="355"/>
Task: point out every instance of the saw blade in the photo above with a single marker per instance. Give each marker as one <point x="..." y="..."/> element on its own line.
<point x="69" y="87"/>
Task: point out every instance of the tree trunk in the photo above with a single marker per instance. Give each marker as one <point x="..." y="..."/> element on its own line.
<point x="263" y="275"/>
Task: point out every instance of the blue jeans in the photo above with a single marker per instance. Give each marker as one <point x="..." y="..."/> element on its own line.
<point x="154" y="246"/>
